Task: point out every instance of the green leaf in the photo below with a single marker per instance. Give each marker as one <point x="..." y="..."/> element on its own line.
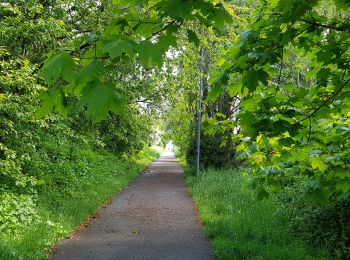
<point x="262" y="194"/>
<point x="60" y="65"/>
<point x="50" y="100"/>
<point x="117" y="48"/>
<point x="343" y="186"/>
<point x="236" y="89"/>
<point x="275" y="185"/>
<point x="101" y="98"/>
<point x="249" y="104"/>
<point x="144" y="29"/>
<point x="247" y="36"/>
<point x="316" y="192"/>
<point x="149" y="53"/>
<point x="192" y="37"/>
<point x="252" y="78"/>
<point x="317" y="163"/>
<point x="167" y="40"/>
<point x="220" y="17"/>
<point x="343" y="4"/>
<point x="215" y="92"/>
<point x="177" y="8"/>
<point x="2" y="97"/>
<point x="92" y="71"/>
<point x="116" y="26"/>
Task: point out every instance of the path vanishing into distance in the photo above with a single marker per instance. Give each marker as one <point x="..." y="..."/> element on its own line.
<point x="153" y="218"/>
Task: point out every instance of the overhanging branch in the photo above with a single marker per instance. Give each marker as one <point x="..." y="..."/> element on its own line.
<point x="328" y="99"/>
<point x="161" y="30"/>
<point x="317" y="24"/>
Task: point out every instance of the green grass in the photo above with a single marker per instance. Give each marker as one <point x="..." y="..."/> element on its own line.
<point x="61" y="208"/>
<point x="241" y="227"/>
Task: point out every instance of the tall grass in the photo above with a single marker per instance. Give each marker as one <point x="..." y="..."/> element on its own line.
<point x="241" y="227"/>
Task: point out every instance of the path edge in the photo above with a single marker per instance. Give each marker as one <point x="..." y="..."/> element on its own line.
<point x="198" y="217"/>
<point x="96" y="214"/>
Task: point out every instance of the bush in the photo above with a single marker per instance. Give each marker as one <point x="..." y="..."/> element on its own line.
<point x="16" y="212"/>
<point x="213" y="153"/>
<point x="323" y="224"/>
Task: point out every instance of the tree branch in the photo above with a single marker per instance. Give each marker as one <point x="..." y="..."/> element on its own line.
<point x="146" y="100"/>
<point x="331" y="97"/>
<point x="310" y="130"/>
<point x="304" y="30"/>
<point x="147" y="22"/>
<point x="161" y="30"/>
<point x="86" y="45"/>
<point x="325" y="26"/>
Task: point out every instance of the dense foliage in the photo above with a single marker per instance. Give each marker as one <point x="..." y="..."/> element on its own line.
<point x="275" y="96"/>
<point x="139" y="32"/>
<point x="43" y="158"/>
<point x="291" y="68"/>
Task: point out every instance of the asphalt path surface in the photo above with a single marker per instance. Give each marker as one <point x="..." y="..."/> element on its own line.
<point x="153" y="218"/>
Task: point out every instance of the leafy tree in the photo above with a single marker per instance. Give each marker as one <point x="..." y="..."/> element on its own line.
<point x="141" y="30"/>
<point x="295" y="124"/>
<point x="36" y="154"/>
<point x="291" y="70"/>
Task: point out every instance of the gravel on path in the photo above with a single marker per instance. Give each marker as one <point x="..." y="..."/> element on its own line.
<point x="154" y="218"/>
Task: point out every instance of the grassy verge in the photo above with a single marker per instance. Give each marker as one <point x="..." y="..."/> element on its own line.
<point x="241" y="227"/>
<point x="63" y="206"/>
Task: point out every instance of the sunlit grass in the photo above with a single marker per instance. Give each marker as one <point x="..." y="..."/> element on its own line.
<point x="241" y="227"/>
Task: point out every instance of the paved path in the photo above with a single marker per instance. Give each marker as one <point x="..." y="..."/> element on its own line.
<point x="154" y="218"/>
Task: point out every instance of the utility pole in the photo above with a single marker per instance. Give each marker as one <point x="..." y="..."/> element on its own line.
<point x="199" y="113"/>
